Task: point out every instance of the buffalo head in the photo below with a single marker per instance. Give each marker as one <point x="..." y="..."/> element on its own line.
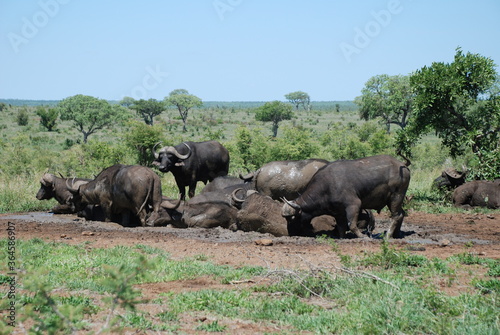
<point x="77" y="197"/>
<point x="169" y="157"/>
<point x="46" y="190"/>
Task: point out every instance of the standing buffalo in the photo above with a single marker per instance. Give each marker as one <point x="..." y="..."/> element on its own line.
<point x="55" y="187"/>
<point x="122" y="189"/>
<point x="286" y="179"/>
<point x="191" y="162"/>
<point x="262" y="214"/>
<point x="450" y="179"/>
<point x="480" y="193"/>
<point x="342" y="188"/>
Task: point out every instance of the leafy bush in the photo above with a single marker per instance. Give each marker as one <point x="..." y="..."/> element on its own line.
<point x="141" y="138"/>
<point x="48" y="117"/>
<point x="352" y="142"/>
<point x="22" y="117"/>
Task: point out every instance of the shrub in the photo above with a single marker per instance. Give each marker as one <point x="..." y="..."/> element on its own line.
<point x="22" y="118"/>
<point x="48" y="117"/>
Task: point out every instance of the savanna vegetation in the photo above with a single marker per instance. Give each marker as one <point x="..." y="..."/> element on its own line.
<point x="453" y="122"/>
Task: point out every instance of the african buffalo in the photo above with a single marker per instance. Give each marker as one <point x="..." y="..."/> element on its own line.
<point x="342" y="188"/>
<point x="480" y="193"/>
<point x="286" y="179"/>
<point x="55" y="187"/>
<point x="262" y="214"/>
<point x="450" y="179"/>
<point x="122" y="189"/>
<point x="191" y="162"/>
<point x="223" y="182"/>
<point x="209" y="214"/>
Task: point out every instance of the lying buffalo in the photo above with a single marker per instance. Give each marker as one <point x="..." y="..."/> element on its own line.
<point x="122" y="189"/>
<point x="262" y="214"/>
<point x="210" y="209"/>
<point x="342" y="188"/>
<point x="55" y="187"/>
<point x="223" y="182"/>
<point x="450" y="179"/>
<point x="286" y="179"/>
<point x="481" y="193"/>
<point x="191" y="162"/>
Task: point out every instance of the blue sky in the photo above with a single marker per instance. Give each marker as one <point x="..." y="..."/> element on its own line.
<point x="230" y="50"/>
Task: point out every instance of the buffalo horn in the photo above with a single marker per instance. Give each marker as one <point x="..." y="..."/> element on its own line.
<point x="248" y="177"/>
<point x="172" y="150"/>
<point x="47" y="179"/>
<point x="236" y="199"/>
<point x="291" y="204"/>
<point x="71" y="187"/>
<point x="169" y="205"/>
<point x="154" y="151"/>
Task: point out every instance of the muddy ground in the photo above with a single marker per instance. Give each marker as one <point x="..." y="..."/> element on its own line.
<point x="432" y="235"/>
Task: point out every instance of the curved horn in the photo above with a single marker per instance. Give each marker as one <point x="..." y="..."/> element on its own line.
<point x="291" y="204"/>
<point x="172" y="150"/>
<point x="236" y="199"/>
<point x="47" y="179"/>
<point x="169" y="205"/>
<point x="248" y="177"/>
<point x="154" y="150"/>
<point x="71" y="187"/>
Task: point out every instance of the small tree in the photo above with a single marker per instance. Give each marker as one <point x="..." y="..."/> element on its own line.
<point x="184" y="101"/>
<point x="90" y="114"/>
<point x="387" y="97"/>
<point x="3" y="106"/>
<point x="299" y="98"/>
<point x="275" y="112"/>
<point x="148" y="109"/>
<point x="48" y="117"/>
<point x="127" y="102"/>
<point x="22" y="117"/>
<point x="460" y="102"/>
<point x="142" y="138"/>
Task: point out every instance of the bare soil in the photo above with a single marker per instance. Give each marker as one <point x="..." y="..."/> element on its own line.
<point x="432" y="235"/>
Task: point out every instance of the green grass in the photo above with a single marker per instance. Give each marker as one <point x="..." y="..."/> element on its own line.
<point x="387" y="292"/>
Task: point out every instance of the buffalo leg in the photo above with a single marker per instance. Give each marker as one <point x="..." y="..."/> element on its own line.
<point x="341" y="225"/>
<point x="352" y="213"/>
<point x="192" y="189"/>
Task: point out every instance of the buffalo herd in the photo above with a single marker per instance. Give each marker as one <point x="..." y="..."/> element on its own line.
<point x="283" y="198"/>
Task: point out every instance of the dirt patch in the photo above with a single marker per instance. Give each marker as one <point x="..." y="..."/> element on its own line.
<point x="431" y="235"/>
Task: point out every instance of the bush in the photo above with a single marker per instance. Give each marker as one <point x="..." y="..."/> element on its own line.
<point x="22" y="118"/>
<point x="48" y="117"/>
<point x="352" y="141"/>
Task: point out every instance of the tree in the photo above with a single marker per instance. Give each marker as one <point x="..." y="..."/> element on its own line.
<point x="387" y="97"/>
<point x="90" y="114"/>
<point x="48" y="117"/>
<point x="22" y="117"/>
<point x="148" y="109"/>
<point x="127" y="102"/>
<point x="184" y="101"/>
<point x="275" y="112"/>
<point x="142" y="138"/>
<point x="299" y="98"/>
<point x="460" y="102"/>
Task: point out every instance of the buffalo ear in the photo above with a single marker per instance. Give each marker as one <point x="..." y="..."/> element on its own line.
<point x="181" y="163"/>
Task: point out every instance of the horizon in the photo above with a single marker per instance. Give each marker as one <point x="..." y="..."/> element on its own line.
<point x="230" y="50"/>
